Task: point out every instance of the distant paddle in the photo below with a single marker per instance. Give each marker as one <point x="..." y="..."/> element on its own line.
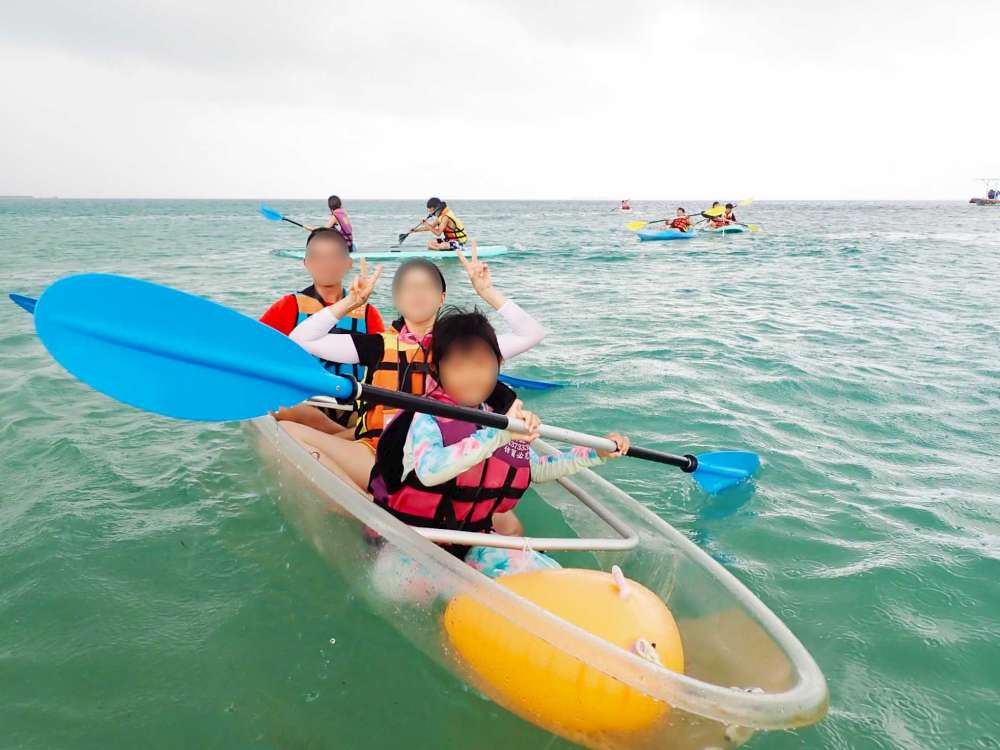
<point x="28" y="303"/>
<point x="404" y="235"/>
<point x="271" y="215"/>
<point x="162" y="362"/>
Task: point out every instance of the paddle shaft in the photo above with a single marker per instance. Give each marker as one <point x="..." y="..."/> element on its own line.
<point x="165" y="365"/>
<point x="400" y="400"/>
<point x="292" y="221"/>
<point x="414" y="229"/>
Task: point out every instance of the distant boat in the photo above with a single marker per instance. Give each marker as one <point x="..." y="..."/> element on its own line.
<point x="992" y="183"/>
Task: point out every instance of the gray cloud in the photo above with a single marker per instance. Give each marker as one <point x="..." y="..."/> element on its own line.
<point x="492" y="98"/>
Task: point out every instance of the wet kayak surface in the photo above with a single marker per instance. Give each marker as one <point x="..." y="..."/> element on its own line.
<point x="152" y="589"/>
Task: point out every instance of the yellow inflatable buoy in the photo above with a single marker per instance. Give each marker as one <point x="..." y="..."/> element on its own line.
<point x="543" y="684"/>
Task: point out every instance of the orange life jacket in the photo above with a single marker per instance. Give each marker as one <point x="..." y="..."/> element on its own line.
<point x="681" y="223"/>
<point x="454" y="229"/>
<point x="404" y="367"/>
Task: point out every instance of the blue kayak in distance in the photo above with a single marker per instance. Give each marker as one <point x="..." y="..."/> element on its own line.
<point x="485" y="251"/>
<point x="660" y="235"/>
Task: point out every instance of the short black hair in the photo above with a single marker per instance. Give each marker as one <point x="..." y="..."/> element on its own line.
<point x="333" y="202"/>
<point x="681" y="208"/>
<point x="436" y="204"/>
<point x="730" y="205"/>
<point x="324" y="233"/>
<point x="457" y="328"/>
<point x="412" y="263"/>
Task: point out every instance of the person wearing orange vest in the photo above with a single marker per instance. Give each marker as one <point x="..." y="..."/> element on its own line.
<point x="327" y="261"/>
<point x="399" y="358"/>
<point x="681" y="222"/>
<point x="448" y="228"/>
<point x="727" y="218"/>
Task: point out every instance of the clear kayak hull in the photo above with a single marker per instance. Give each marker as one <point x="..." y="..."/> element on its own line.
<point x="744" y="671"/>
<point x="484" y="251"/>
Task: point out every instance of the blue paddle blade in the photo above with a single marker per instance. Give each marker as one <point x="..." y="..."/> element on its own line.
<point x="721" y="470"/>
<point x="531" y="385"/>
<point x="25" y="303"/>
<point x="175" y="354"/>
<point x="270" y="213"/>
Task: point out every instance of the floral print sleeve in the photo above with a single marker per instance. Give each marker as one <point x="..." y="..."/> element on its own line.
<point x="435" y="463"/>
<point x="562" y="464"/>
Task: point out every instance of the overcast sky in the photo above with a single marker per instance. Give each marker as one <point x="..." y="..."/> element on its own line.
<point x="498" y="98"/>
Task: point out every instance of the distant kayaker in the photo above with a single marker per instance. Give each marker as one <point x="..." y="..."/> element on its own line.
<point x="448" y="229"/>
<point x="681" y="222"/>
<point x="327" y="261"/>
<point x="400" y="357"/>
<point x="992" y="194"/>
<point x="727" y="217"/>
<point x="339" y="220"/>
<point x="625" y="206"/>
<point x="448" y="474"/>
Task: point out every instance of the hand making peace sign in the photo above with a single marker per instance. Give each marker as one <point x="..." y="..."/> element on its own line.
<point x="479" y="275"/>
<point x="363" y="285"/>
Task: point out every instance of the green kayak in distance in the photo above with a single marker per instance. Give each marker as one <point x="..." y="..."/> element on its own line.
<point x="728" y="229"/>
<point x="485" y="251"/>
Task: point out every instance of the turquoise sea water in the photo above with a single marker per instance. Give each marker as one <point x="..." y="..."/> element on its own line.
<point x="151" y="594"/>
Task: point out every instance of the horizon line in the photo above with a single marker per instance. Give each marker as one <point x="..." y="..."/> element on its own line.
<point x="14" y="197"/>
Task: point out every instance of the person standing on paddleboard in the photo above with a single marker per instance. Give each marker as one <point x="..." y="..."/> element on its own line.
<point x="327" y="261"/>
<point x="399" y="358"/>
<point x="448" y="229"/>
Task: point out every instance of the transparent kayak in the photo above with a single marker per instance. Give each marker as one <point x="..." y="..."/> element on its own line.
<point x="485" y="251"/>
<point x="743" y="670"/>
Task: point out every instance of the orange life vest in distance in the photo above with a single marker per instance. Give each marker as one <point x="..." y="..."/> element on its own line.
<point x="681" y="223"/>
<point x="454" y="229"/>
<point x="404" y="367"/>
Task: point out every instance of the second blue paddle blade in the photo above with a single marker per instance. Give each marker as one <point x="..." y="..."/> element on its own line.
<point x="173" y="353"/>
<point x="721" y="470"/>
<point x="25" y="303"/>
<point x="531" y="385"/>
